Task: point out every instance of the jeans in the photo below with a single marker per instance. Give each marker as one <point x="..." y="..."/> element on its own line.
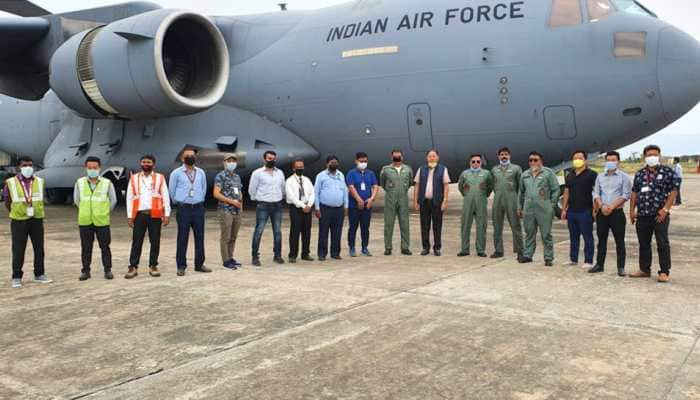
<point x="362" y="219"/>
<point x="300" y="226"/>
<point x="431" y="213"/>
<point x="581" y="223"/>
<point x="87" y="239"/>
<point x="331" y="220"/>
<point x="273" y="212"/>
<point x="33" y="229"/>
<point x="144" y="223"/>
<point x="190" y="217"/>
<point x="647" y="227"/>
<point x="604" y="224"/>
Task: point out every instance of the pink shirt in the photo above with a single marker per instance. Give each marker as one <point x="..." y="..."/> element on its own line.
<point x="429" y="184"/>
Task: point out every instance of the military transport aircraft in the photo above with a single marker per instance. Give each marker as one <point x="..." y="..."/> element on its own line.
<point x="460" y="76"/>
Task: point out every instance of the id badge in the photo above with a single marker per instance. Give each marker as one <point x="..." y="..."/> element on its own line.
<point x="191" y="193"/>
<point x="30" y="211"/>
<point x="235" y="191"/>
<point x="363" y="187"/>
<point x="646" y="189"/>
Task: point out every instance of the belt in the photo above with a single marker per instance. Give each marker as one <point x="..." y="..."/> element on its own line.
<point x="195" y="205"/>
<point x="323" y="205"/>
<point x="275" y="203"/>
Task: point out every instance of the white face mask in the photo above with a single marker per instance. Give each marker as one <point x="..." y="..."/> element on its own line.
<point x="231" y="166"/>
<point x="362" y="166"/>
<point x="652" y="161"/>
<point x="27" y="172"/>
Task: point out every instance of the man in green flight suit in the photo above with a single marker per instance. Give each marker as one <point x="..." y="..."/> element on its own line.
<point x="476" y="185"/>
<point x="396" y="179"/>
<point x="506" y="184"/>
<point x="539" y="194"/>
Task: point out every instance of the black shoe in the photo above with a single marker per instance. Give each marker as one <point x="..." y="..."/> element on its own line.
<point x="549" y="263"/>
<point x="482" y="255"/>
<point x="180" y="272"/>
<point x="621" y="272"/>
<point x="463" y="254"/>
<point x="337" y="258"/>
<point x="596" y="269"/>
<point x="387" y="252"/>
<point x="406" y="252"/>
<point x="425" y="252"/>
<point x="84" y="276"/>
<point x="203" y="269"/>
<point x="497" y="255"/>
<point x="278" y="260"/>
<point x="321" y="258"/>
<point x="525" y="260"/>
<point x="292" y="260"/>
<point x="109" y="275"/>
<point x="437" y="253"/>
<point x="256" y="262"/>
<point x="307" y="258"/>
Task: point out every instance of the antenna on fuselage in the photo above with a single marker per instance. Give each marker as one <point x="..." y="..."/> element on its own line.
<point x="283" y="6"/>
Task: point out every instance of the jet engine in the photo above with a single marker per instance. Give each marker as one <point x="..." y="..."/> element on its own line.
<point x="158" y="64"/>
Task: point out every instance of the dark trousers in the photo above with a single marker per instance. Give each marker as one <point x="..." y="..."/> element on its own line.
<point x="362" y="219"/>
<point x="87" y="240"/>
<point x="144" y="223"/>
<point x="646" y="228"/>
<point x="21" y="231"/>
<point x="300" y="227"/>
<point x="331" y="221"/>
<point x="263" y="212"/>
<point x="615" y="222"/>
<point x="190" y="217"/>
<point x="679" y="201"/>
<point x="431" y="213"/>
<point x="581" y="224"/>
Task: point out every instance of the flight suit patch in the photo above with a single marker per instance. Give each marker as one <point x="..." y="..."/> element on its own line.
<point x="466" y="187"/>
<point x="542" y="193"/>
<point x="482" y="185"/>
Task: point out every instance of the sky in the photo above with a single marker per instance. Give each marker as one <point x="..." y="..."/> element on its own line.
<point x="680" y="138"/>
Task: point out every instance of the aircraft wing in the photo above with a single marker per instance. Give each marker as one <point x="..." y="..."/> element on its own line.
<point x="23" y="8"/>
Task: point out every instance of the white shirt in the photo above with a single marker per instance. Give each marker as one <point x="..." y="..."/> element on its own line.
<point x="295" y="197"/>
<point x="146" y="198"/>
<point x="267" y="186"/>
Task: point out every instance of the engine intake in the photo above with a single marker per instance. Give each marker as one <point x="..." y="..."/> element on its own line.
<point x="157" y="64"/>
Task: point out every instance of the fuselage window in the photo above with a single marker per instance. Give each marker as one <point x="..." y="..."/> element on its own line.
<point x="630" y="44"/>
<point x="598" y="9"/>
<point x="633" y="7"/>
<point x="565" y="13"/>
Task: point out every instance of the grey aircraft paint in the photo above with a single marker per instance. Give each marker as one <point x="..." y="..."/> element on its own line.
<point x="374" y="75"/>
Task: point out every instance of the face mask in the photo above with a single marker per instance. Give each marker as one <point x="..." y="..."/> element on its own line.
<point x="93" y="173"/>
<point x="231" y="166"/>
<point x="476" y="169"/>
<point x="398" y="159"/>
<point x="147" y="168"/>
<point x="27" y="172"/>
<point x="270" y="164"/>
<point x="332" y="167"/>
<point x="610" y="165"/>
<point x="652" y="161"/>
<point x="432" y="164"/>
<point x="578" y="164"/>
<point x="505" y="162"/>
<point x="190" y="161"/>
<point x="299" y="172"/>
<point x="362" y="166"/>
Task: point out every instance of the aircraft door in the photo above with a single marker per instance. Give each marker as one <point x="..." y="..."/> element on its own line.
<point x="560" y="122"/>
<point x="420" y="127"/>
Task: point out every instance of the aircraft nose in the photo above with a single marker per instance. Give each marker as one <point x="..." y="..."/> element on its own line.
<point x="679" y="72"/>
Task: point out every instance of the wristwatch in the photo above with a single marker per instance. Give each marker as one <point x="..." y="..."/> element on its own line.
<point x="668" y="210"/>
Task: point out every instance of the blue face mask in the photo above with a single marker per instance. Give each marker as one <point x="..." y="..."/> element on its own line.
<point x="231" y="166"/>
<point x="476" y="169"/>
<point x="505" y="163"/>
<point x="610" y="165"/>
<point x="93" y="173"/>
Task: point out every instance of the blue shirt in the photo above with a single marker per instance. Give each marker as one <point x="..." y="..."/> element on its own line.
<point x="188" y="187"/>
<point x="331" y="190"/>
<point x="653" y="189"/>
<point x="611" y="187"/>
<point x="356" y="178"/>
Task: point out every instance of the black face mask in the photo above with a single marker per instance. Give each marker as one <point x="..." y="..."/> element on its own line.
<point x="299" y="172"/>
<point x="270" y="164"/>
<point x="398" y="159"/>
<point x="147" y="168"/>
<point x="190" y="161"/>
<point x="332" y="167"/>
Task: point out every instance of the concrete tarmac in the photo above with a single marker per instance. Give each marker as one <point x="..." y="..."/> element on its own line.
<point x="365" y="328"/>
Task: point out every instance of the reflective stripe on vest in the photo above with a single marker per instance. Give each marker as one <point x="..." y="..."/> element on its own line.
<point x="94" y="207"/>
<point x="156" y="198"/>
<point x="18" y="208"/>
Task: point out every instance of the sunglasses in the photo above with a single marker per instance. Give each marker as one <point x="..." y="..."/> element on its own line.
<point x="476" y="162"/>
<point x="534" y="160"/>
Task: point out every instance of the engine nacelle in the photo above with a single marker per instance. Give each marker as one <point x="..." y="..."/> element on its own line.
<point x="157" y="64"/>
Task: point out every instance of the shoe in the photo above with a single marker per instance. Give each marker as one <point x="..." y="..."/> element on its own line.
<point x="321" y="258"/>
<point x="256" y="262"/>
<point x="482" y="255"/>
<point x="16" y="283"/>
<point x="437" y="253"/>
<point x="525" y="260"/>
<point x="549" y="263"/>
<point x="307" y="258"/>
<point x="463" y="254"/>
<point x="42" y="279"/>
<point x="664" y="278"/>
<point x="84" y="276"/>
<point x="640" y="274"/>
<point x="292" y="260"/>
<point x="570" y="264"/>
<point x="387" y="252"/>
<point x="587" y="266"/>
<point x="236" y="263"/>
<point x="621" y="272"/>
<point x="180" y="272"/>
<point x="153" y="271"/>
<point x="279" y="260"/>
<point x="229" y="264"/>
<point x="497" y="255"/>
<point x="202" y="269"/>
<point x="425" y="252"/>
<point x="353" y="253"/>
<point x="131" y="273"/>
<point x="596" y="269"/>
<point x="366" y="253"/>
<point x="109" y="275"/>
<point x="337" y="258"/>
<point x="406" y="252"/>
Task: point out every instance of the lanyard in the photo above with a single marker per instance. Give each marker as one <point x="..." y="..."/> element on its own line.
<point x="651" y="177"/>
<point x="193" y="178"/>
<point x="27" y="191"/>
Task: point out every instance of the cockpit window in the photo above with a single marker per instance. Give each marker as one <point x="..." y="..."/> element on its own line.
<point x="598" y="9"/>
<point x="565" y="13"/>
<point x="633" y="7"/>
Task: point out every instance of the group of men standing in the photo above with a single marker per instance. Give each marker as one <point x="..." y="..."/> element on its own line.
<point x="531" y="196"/>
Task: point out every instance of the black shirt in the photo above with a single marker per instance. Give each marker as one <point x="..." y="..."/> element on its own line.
<point x="581" y="190"/>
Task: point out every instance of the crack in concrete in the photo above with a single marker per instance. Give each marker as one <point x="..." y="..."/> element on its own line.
<point x="677" y="375"/>
<point x="124" y="382"/>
